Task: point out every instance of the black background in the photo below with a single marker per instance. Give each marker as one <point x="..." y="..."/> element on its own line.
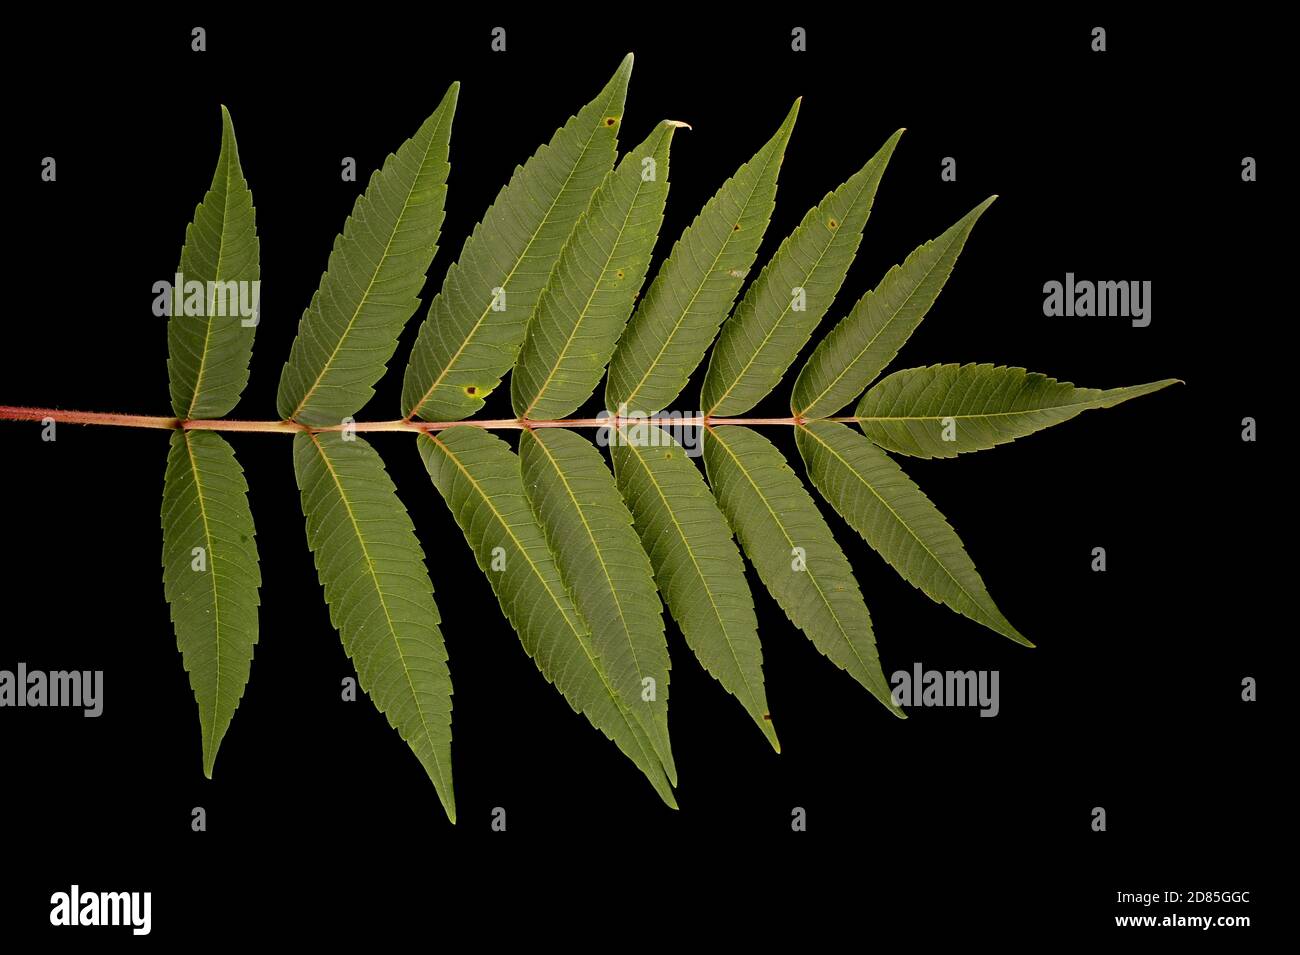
<point x="1123" y="165"/>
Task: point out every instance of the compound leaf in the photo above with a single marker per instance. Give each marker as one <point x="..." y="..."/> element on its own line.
<point x="209" y="352"/>
<point x="478" y="476"/>
<point x="900" y="523"/>
<point x="379" y="594"/>
<point x="372" y="284"/>
<point x="794" y="552"/>
<point x="476" y="324"/>
<point x="210" y="575"/>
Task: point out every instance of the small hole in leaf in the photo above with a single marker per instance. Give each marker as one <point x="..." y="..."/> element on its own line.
<point x="619" y="273"/>
<point x="736" y="227"/>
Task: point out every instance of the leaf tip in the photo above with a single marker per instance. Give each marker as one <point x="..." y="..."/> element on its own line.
<point x="890" y="702"/>
<point x="1151" y="387"/>
<point x="615" y="91"/>
<point x="886" y="151"/>
<point x="968" y="220"/>
<point x="782" y="136"/>
<point x="770" y="733"/>
<point x="676" y="124"/>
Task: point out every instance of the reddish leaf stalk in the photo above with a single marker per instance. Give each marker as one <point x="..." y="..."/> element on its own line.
<point x="12" y="413"/>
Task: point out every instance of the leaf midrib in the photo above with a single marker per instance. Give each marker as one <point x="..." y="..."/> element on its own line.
<point x="904" y="524"/>
<point x="613" y="588"/>
<point x="811" y="576"/>
<point x="207" y="329"/>
<point x="591" y="296"/>
<point x="379" y="591"/>
<point x="451" y="362"/>
<point x="676" y="327"/>
<point x="212" y="573"/>
<point x="985" y="414"/>
<point x="785" y="311"/>
<point x="672" y="514"/>
<point x="852" y="363"/>
<point x="365" y="296"/>
<point x="578" y="635"/>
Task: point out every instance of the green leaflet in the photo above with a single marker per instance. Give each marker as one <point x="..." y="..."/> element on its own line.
<point x="210" y="575"/>
<point x="779" y="312"/>
<point x="589" y="296"/>
<point x="476" y="324"/>
<point x="794" y="552"/>
<point x="209" y="353"/>
<point x="372" y="283"/>
<point x="944" y="410"/>
<point x="695" y="288"/>
<point x="606" y="571"/>
<point x="697" y="567"/>
<point x="900" y="523"/>
<point x="858" y="348"/>
<point x="379" y="594"/>
<point x="478" y="476"/>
